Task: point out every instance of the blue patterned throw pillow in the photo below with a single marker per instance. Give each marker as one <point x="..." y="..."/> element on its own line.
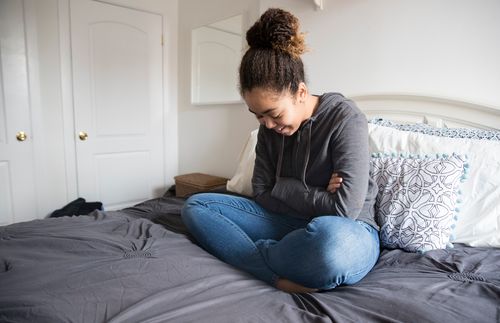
<point x="440" y="132"/>
<point x="417" y="201"/>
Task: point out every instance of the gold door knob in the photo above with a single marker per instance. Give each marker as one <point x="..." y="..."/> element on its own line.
<point x="83" y="135"/>
<point x="21" y="136"/>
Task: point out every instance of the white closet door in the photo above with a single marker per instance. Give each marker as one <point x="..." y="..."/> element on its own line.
<point x="17" y="179"/>
<point x="117" y="88"/>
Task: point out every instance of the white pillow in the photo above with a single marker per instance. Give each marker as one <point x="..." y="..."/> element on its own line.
<point x="241" y="182"/>
<point x="479" y="219"/>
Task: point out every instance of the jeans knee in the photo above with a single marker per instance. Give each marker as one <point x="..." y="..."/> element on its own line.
<point x="333" y="233"/>
<point x="200" y="199"/>
<point x="340" y="248"/>
<point x="191" y="209"/>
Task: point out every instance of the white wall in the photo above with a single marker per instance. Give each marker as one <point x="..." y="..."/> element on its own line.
<point x="438" y="47"/>
<point x="447" y="48"/>
<point x="212" y="136"/>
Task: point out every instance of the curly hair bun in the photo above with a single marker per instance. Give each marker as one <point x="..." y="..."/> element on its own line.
<point x="277" y="29"/>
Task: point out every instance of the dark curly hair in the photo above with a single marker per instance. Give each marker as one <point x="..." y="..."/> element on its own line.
<point x="272" y="60"/>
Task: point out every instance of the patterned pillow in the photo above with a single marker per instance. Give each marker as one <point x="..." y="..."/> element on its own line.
<point x="478" y="224"/>
<point x="440" y="132"/>
<point x="416" y="205"/>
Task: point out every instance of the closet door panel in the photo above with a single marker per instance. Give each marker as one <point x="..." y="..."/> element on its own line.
<point x="120" y="79"/>
<point x="117" y="72"/>
<point x="17" y="176"/>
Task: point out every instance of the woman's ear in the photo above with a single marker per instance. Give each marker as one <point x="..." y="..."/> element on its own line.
<point x="302" y="92"/>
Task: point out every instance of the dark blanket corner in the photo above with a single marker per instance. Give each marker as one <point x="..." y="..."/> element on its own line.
<point x="166" y="210"/>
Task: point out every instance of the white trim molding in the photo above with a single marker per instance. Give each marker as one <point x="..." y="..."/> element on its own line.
<point x="319" y="4"/>
<point x="430" y="109"/>
<point x="67" y="98"/>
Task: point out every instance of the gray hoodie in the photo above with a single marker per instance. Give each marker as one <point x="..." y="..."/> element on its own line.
<point x="291" y="173"/>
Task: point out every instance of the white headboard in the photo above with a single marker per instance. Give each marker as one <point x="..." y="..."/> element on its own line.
<point x="433" y="110"/>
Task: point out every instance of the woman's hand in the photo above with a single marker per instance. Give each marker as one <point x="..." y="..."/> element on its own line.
<point x="334" y="184"/>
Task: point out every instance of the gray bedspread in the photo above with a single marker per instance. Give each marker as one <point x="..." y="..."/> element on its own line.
<point x="137" y="265"/>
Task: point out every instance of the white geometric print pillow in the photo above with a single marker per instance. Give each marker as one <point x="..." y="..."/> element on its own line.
<point x="416" y="205"/>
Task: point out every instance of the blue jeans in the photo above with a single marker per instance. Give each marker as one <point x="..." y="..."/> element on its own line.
<point x="320" y="253"/>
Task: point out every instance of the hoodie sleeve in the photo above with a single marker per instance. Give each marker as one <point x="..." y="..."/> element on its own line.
<point x="351" y="159"/>
<point x="264" y="177"/>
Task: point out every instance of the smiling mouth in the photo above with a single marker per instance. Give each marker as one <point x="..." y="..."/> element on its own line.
<point x="279" y="129"/>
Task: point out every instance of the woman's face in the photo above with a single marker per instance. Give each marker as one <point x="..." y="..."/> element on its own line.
<point x="281" y="112"/>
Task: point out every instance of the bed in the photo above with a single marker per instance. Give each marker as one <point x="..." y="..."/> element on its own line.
<point x="140" y="265"/>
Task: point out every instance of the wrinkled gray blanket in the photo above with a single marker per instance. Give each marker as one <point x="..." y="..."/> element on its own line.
<point x="136" y="265"/>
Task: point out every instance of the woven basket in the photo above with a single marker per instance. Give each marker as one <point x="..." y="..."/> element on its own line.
<point x="197" y="182"/>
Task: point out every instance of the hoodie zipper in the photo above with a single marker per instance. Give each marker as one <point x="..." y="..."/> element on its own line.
<point x="297" y="149"/>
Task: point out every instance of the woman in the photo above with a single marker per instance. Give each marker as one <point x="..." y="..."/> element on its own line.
<point x="311" y="224"/>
